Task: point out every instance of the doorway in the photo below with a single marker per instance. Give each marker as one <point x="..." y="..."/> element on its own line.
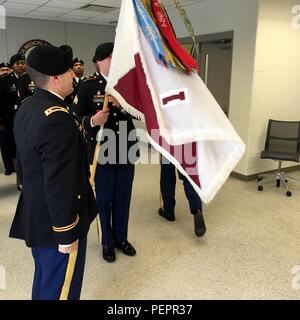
<point x="215" y="62"/>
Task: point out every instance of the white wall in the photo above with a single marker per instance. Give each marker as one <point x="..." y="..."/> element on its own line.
<point x="3" y="47"/>
<point x="81" y="37"/>
<point x="276" y="83"/>
<point x="240" y="16"/>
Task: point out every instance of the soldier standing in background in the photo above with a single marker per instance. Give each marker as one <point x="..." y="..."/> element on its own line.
<point x="5" y="70"/>
<point x="78" y="69"/>
<point x="9" y="102"/>
<point x="115" y="172"/>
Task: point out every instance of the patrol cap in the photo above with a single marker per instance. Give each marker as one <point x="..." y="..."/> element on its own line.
<point x="103" y="51"/>
<point x="51" y="60"/>
<point x="16" y="57"/>
<point x="77" y="60"/>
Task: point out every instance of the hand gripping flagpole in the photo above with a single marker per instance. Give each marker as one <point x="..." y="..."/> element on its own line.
<point x="93" y="167"/>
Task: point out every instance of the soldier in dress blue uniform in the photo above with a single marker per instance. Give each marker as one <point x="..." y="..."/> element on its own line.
<point x="115" y="171"/>
<point x="9" y="103"/>
<point x="57" y="204"/>
<point x="78" y="69"/>
<point x="5" y="70"/>
<point x="167" y="189"/>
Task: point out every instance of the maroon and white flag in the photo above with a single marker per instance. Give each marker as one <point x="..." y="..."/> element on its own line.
<point x="183" y="120"/>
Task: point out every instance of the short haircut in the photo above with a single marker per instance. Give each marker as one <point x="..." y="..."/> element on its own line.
<point x="40" y="80"/>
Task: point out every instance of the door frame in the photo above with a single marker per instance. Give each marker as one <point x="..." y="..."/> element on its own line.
<point x="212" y="37"/>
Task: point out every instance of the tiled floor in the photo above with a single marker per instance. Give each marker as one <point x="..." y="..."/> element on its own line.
<point x="251" y="245"/>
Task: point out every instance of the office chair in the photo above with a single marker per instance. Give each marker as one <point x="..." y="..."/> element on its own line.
<point x="282" y="144"/>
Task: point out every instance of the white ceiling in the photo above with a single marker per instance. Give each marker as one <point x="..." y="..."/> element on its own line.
<point x="69" y="10"/>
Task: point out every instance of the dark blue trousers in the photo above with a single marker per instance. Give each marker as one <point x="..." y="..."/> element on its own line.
<point x="113" y="185"/>
<point x="58" y="276"/>
<point x="5" y="151"/>
<point x="168" y="186"/>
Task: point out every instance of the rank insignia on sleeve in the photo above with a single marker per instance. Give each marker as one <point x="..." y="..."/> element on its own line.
<point x="51" y="110"/>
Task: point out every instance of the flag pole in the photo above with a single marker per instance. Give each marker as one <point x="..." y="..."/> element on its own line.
<point x="93" y="167"/>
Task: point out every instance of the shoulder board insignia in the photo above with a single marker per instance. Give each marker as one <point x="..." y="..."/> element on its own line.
<point x="75" y="101"/>
<point x="85" y="80"/>
<point x="51" y="110"/>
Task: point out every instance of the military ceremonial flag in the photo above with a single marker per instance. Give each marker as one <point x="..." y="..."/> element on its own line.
<point x="183" y="120"/>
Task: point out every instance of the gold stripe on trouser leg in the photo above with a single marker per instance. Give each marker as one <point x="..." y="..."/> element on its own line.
<point x="93" y="169"/>
<point x="69" y="275"/>
<point x="161" y="201"/>
<point x="98" y="228"/>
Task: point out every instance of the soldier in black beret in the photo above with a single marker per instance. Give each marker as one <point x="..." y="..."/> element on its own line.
<point x="57" y="204"/>
<point x="78" y="69"/>
<point x="18" y="61"/>
<point x="5" y="69"/>
<point x="9" y="103"/>
<point x="115" y="172"/>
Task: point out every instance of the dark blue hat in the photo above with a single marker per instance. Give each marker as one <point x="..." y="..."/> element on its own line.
<point x="51" y="60"/>
<point x="76" y="60"/>
<point x="103" y="51"/>
<point x="16" y="57"/>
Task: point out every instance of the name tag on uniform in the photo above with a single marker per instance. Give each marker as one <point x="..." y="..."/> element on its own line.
<point x="13" y="88"/>
<point x="98" y="98"/>
<point x="31" y="86"/>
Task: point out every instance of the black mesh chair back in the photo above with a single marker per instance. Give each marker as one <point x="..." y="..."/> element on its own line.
<point x="282" y="141"/>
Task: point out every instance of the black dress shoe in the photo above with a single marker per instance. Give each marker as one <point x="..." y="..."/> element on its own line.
<point x="199" y="224"/>
<point x="126" y="248"/>
<point x="109" y="254"/>
<point x="8" y="172"/>
<point x="162" y="213"/>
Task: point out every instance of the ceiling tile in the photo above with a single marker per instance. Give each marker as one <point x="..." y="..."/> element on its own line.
<point x="73" y="17"/>
<point x="30" y="2"/>
<point x="65" y="4"/>
<point x="108" y="3"/>
<point x="52" y="10"/>
<point x="19" y="6"/>
<point x="70" y="10"/>
<point x="82" y="13"/>
<point x="40" y="14"/>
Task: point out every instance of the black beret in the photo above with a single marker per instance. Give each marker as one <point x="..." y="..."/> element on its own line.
<point x="76" y="60"/>
<point x="4" y="65"/>
<point x="16" y="57"/>
<point x="50" y="60"/>
<point x="103" y="51"/>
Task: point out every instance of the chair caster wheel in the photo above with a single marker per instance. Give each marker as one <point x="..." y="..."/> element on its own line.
<point x="288" y="194"/>
<point x="260" y="188"/>
<point x="277" y="183"/>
